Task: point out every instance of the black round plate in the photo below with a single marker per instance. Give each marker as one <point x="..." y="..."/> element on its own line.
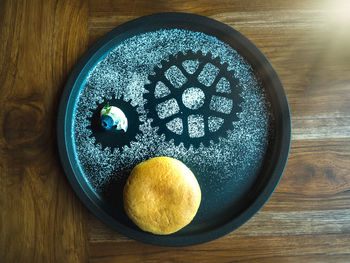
<point x="259" y="191"/>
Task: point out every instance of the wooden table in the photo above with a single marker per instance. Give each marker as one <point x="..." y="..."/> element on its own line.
<point x="306" y="220"/>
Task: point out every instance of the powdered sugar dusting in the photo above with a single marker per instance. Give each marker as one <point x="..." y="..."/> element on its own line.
<point x="214" y="123"/>
<point x="193" y="98"/>
<point x="223" y="86"/>
<point x="161" y="90"/>
<point x="123" y="73"/>
<point x="221" y="104"/>
<point x="208" y="74"/>
<point x="196" y="126"/>
<point x="190" y="65"/>
<point x="175" y="76"/>
<point x="167" y="108"/>
<point x="175" y="125"/>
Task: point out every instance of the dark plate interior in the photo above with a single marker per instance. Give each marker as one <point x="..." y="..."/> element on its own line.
<point x="237" y="202"/>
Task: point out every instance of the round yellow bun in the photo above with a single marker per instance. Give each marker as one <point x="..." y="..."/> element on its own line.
<point x="161" y="195"/>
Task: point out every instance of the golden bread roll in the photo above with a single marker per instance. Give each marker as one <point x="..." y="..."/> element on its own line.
<point x="161" y="195"/>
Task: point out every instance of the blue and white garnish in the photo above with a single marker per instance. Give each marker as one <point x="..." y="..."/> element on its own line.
<point x="113" y="117"/>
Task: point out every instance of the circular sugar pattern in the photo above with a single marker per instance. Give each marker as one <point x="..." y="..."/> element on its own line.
<point x="180" y="105"/>
<point x="123" y="74"/>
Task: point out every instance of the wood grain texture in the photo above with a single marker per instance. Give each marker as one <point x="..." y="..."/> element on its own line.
<point x="307" y="218"/>
<point x="41" y="219"/>
<point x="303" y="248"/>
<point x="265" y="223"/>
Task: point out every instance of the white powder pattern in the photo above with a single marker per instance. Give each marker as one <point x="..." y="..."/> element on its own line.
<point x="124" y="71"/>
<point x="190" y="65"/>
<point x="214" y="123"/>
<point x="175" y="125"/>
<point x="208" y="74"/>
<point x="193" y="98"/>
<point x="175" y="76"/>
<point x="161" y="90"/>
<point x="196" y="126"/>
<point x="221" y="104"/>
<point x="167" y="108"/>
<point x="223" y="86"/>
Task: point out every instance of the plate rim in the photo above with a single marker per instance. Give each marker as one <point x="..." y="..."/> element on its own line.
<point x="69" y="167"/>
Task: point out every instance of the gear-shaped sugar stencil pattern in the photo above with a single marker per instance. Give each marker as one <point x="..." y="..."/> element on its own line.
<point x="113" y="138"/>
<point x="193" y="98"/>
